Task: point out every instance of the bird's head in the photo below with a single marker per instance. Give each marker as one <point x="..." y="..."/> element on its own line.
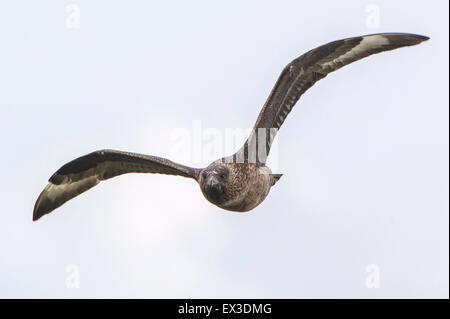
<point x="214" y="181"/>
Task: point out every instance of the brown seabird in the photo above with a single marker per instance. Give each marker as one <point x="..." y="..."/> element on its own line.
<point x="242" y="181"/>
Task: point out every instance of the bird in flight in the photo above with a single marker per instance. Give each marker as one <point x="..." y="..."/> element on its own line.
<point x="239" y="182"/>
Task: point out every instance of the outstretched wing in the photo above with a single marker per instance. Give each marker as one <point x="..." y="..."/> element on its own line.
<point x="299" y="75"/>
<point x="87" y="171"/>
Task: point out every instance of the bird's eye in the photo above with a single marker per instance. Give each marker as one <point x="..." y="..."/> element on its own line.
<point x="204" y="174"/>
<point x="222" y="176"/>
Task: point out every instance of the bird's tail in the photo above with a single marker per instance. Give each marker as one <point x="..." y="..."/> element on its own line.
<point x="275" y="178"/>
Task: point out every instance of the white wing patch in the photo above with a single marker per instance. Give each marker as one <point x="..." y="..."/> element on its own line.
<point x="52" y="191"/>
<point x="54" y="196"/>
<point x="368" y="43"/>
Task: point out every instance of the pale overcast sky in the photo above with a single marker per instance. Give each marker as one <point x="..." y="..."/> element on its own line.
<point x="361" y="210"/>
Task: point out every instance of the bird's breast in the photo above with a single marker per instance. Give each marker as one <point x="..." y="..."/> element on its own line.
<point x="249" y="189"/>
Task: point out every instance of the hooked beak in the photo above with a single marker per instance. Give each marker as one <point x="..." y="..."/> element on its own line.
<point x="212" y="182"/>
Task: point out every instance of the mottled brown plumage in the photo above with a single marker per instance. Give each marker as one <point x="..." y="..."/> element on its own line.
<point x="242" y="181"/>
<point x="238" y="187"/>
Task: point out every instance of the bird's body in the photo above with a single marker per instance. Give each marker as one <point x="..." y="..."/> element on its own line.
<point x="248" y="184"/>
<point x="242" y="181"/>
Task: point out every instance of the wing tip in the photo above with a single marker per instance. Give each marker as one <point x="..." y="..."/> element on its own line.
<point x="399" y="39"/>
<point x="39" y="208"/>
<point x="406" y="39"/>
<point x="43" y="205"/>
<point x="36" y="216"/>
<point x="418" y="38"/>
<point x="37" y="213"/>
